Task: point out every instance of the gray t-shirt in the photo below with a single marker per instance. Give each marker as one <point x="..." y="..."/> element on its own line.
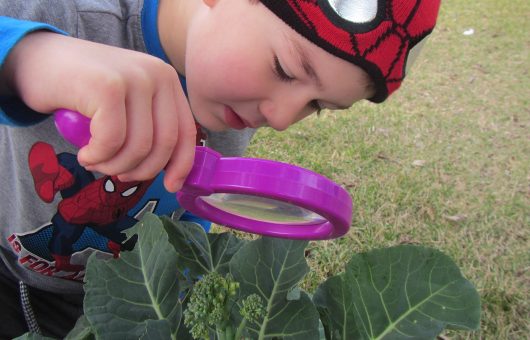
<point x="46" y="197"/>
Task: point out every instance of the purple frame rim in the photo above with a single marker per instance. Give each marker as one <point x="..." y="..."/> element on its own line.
<point x="212" y="173"/>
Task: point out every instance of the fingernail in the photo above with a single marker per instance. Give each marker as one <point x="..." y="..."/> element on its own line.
<point x="124" y="178"/>
<point x="175" y="186"/>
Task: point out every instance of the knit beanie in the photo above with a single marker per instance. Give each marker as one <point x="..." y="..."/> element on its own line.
<point x="382" y="37"/>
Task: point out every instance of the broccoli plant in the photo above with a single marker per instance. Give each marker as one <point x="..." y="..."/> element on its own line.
<point x="209" y="308"/>
<point x="181" y="283"/>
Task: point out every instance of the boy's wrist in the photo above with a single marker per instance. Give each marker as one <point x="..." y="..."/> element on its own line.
<point x="14" y="32"/>
<point x="8" y="73"/>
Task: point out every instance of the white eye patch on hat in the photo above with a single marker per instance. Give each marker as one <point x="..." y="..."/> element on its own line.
<point x="355" y="11"/>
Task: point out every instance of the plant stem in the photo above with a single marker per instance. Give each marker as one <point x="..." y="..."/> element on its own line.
<point x="240" y="329"/>
<point x="229" y="333"/>
<point x="220" y="334"/>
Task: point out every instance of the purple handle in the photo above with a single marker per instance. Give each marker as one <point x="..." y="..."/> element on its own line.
<point x="213" y="174"/>
<point x="73" y="126"/>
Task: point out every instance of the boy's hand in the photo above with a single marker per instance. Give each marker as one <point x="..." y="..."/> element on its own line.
<point x="141" y="120"/>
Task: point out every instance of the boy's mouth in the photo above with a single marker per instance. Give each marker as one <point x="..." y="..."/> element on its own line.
<point x="233" y="120"/>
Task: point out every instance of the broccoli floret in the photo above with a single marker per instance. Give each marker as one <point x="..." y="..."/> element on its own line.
<point x="209" y="305"/>
<point x="252" y="308"/>
<point x="208" y="310"/>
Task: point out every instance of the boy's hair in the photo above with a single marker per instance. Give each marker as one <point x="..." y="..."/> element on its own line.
<point x="382" y="37"/>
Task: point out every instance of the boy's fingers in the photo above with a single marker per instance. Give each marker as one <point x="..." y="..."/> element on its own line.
<point x="183" y="155"/>
<point x="165" y="135"/>
<point x="107" y="135"/>
<point x="138" y="140"/>
<point x="179" y="165"/>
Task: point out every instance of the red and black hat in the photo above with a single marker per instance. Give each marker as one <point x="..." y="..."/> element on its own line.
<point x="380" y="36"/>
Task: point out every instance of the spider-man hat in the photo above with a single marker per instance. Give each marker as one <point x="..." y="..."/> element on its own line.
<point x="380" y="36"/>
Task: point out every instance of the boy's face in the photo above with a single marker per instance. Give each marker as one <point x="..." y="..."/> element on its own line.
<point x="246" y="68"/>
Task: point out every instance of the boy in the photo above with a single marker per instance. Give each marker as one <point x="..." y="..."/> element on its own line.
<point x="246" y="64"/>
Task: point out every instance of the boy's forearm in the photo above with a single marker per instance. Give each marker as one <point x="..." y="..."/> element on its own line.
<point x="13" y="33"/>
<point x="38" y="69"/>
<point x="13" y="109"/>
<point x="20" y="52"/>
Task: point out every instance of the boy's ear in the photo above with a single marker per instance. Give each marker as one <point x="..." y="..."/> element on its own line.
<point x="210" y="3"/>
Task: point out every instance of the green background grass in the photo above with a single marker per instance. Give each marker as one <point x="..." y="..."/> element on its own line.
<point x="444" y="163"/>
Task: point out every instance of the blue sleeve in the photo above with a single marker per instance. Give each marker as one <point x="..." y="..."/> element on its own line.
<point x="12" y="110"/>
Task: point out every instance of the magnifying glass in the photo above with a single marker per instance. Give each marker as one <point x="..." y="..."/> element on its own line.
<point x="253" y="195"/>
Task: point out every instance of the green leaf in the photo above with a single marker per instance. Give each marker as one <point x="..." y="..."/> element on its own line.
<point x="222" y="248"/>
<point x="81" y="331"/>
<point x="155" y="330"/>
<point x="32" y="336"/>
<point x="272" y="268"/>
<point x="200" y="253"/>
<point x="404" y="292"/>
<point x="128" y="297"/>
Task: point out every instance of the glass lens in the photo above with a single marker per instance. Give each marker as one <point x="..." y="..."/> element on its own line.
<point x="263" y="209"/>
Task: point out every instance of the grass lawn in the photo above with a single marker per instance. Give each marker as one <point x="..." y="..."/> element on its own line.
<point x="444" y="163"/>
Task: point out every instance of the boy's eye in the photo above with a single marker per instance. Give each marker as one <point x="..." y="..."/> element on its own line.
<point x="282" y="75"/>
<point x="316" y="106"/>
<point x="280" y="72"/>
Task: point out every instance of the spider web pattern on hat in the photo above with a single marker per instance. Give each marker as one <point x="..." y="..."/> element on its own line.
<point x="380" y="36"/>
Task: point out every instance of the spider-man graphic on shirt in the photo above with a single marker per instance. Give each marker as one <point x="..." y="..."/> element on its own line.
<point x="100" y="204"/>
<point x="91" y="215"/>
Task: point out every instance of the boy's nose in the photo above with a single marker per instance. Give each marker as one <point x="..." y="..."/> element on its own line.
<point x="282" y="112"/>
